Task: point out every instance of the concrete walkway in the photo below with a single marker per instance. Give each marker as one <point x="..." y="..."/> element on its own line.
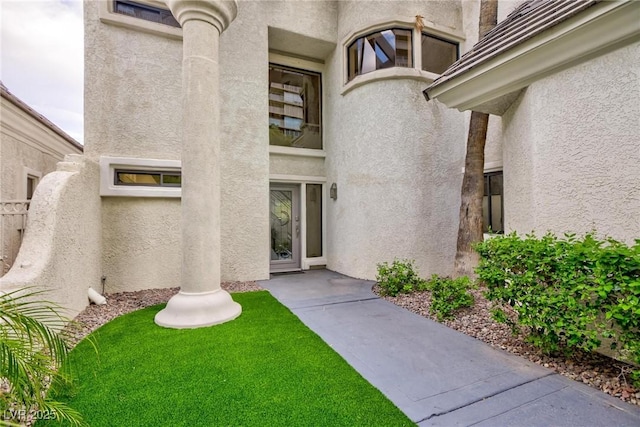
<point x="435" y="375"/>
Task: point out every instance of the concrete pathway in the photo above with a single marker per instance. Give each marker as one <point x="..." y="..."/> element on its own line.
<point x="436" y="375"/>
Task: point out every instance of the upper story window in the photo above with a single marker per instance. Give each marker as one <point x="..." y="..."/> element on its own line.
<point x="398" y="49"/>
<point x="437" y="54"/>
<point x="294" y="108"/>
<point x="146" y="12"/>
<point x="379" y="50"/>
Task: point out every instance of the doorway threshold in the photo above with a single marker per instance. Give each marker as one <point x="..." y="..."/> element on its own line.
<point x="286" y="273"/>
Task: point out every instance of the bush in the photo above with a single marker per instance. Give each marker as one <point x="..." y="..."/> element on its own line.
<point x="399" y="277"/>
<point x="32" y="355"/>
<point x="568" y="291"/>
<point x="448" y="295"/>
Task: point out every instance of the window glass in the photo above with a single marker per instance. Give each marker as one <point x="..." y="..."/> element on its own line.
<point x="294" y="108"/>
<point x="314" y="220"/>
<point x="148" y="178"/>
<point x="383" y="49"/>
<point x="31" y="186"/>
<point x="142" y="11"/>
<point x="492" y="203"/>
<point x="437" y="54"/>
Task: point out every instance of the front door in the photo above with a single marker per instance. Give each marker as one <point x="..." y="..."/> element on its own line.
<point x="284" y="212"/>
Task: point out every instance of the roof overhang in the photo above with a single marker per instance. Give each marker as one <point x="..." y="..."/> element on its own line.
<point x="492" y="86"/>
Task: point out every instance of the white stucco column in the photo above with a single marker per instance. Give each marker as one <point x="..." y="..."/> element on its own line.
<point x="201" y="301"/>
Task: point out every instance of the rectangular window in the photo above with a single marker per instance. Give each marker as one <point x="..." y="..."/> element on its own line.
<point x="32" y="181"/>
<point x="148" y="178"/>
<point x="492" y="203"/>
<point x="437" y="54"/>
<point x="143" y="11"/>
<point x="314" y="220"/>
<point x="294" y="108"/>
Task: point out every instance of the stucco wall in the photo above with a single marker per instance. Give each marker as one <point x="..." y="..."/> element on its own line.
<point x="296" y="165"/>
<point x="133" y="109"/>
<point x="396" y="159"/>
<point x="571" y="150"/>
<point x="15" y="156"/>
<point x="26" y="142"/>
<point x="61" y="248"/>
<point x="132" y="91"/>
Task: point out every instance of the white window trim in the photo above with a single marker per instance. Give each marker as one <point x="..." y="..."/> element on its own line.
<point x="108" y="165"/>
<point x="489" y="167"/>
<point x="306" y="262"/>
<point x="22" y="181"/>
<point x="293" y="151"/>
<point x="108" y="16"/>
<point x="416" y="72"/>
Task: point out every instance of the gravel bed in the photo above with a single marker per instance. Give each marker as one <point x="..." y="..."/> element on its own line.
<point x="596" y="370"/>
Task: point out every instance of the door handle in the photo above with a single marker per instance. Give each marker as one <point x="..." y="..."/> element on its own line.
<point x="297" y="230"/>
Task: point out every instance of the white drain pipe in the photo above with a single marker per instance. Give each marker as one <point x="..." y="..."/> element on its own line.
<point x="96" y="298"/>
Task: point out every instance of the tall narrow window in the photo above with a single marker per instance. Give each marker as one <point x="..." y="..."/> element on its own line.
<point x="32" y="181"/>
<point x="383" y="49"/>
<point x="437" y="54"/>
<point x="314" y="220"/>
<point x="294" y="108"/>
<point x="492" y="203"/>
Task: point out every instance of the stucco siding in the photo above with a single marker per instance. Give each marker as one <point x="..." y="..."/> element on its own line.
<point x="133" y="98"/>
<point x="579" y="129"/>
<point x="397" y="161"/>
<point x="244" y="146"/>
<point x="134" y="258"/>
<point x="16" y="155"/>
<point x="398" y="172"/>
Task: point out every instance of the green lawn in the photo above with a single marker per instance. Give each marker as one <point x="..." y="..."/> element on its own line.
<point x="264" y="368"/>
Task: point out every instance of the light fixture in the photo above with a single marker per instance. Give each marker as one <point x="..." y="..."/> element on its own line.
<point x="333" y="191"/>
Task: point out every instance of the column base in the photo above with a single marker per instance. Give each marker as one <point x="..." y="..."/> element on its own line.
<point x="196" y="310"/>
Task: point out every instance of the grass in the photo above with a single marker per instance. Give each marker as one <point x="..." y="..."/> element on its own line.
<point x="264" y="368"/>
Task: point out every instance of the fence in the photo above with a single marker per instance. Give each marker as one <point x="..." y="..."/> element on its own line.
<point x="13" y="221"/>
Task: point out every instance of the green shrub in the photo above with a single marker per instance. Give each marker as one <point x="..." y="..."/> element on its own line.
<point x="449" y="295"/>
<point x="568" y="291"/>
<point x="399" y="277"/>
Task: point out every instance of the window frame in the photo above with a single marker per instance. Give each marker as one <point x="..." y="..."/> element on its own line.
<point x="300" y="66"/>
<point x="161" y="173"/>
<point x="411" y="57"/>
<point x="415" y="72"/>
<point x="108" y="15"/>
<point x="109" y="166"/>
<point x="433" y="36"/>
<point x="487" y="189"/>
<point x="162" y="11"/>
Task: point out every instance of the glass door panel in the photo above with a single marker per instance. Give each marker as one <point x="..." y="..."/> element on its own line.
<point x="284" y="218"/>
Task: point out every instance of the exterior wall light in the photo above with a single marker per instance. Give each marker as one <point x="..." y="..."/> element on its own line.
<point x="333" y="191"/>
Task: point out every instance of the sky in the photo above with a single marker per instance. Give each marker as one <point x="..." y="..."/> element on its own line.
<point x="41" y="62"/>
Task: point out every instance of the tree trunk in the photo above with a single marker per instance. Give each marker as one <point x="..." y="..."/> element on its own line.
<point x="470" y="226"/>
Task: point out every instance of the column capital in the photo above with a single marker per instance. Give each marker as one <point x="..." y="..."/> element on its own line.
<point x="218" y="13"/>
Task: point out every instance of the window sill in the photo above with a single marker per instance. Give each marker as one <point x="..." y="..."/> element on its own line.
<point x="108" y="165"/>
<point x="300" y="152"/>
<point x="395" y="73"/>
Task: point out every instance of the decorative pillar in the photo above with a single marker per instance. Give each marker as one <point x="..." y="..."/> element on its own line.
<point x="201" y="301"/>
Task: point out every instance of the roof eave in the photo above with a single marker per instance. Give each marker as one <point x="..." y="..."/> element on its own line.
<point x="492" y="86"/>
